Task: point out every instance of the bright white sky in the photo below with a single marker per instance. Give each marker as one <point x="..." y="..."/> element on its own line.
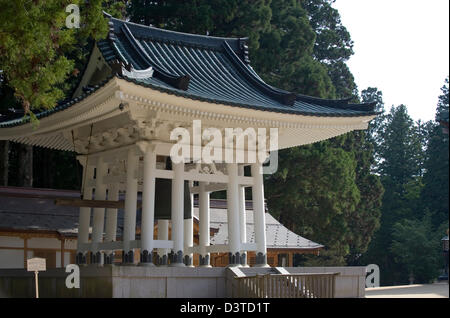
<point x="402" y="48"/>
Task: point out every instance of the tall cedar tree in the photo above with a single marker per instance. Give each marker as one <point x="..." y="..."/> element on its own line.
<point x="416" y="235"/>
<point x="399" y="168"/>
<point x="40" y="59"/>
<point x="233" y="18"/>
<point x="434" y="196"/>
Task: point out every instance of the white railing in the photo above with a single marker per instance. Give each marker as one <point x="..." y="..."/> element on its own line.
<point x="286" y="286"/>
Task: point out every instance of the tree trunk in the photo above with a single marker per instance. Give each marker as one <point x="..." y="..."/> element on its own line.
<point x="4" y="162"/>
<point x="25" y="174"/>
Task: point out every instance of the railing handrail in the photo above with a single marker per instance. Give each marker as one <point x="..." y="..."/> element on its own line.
<point x="286" y="275"/>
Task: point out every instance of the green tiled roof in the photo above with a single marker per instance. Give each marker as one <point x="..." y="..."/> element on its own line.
<point x="217" y="70"/>
<point x="205" y="68"/>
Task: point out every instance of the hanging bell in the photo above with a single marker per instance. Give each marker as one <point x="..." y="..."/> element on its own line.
<point x="163" y="200"/>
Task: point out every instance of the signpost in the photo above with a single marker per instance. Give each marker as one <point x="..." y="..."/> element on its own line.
<point x="36" y="265"/>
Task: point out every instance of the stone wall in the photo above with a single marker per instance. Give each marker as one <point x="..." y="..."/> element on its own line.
<point x="95" y="282"/>
<point x="168" y="282"/>
<point x="159" y="282"/>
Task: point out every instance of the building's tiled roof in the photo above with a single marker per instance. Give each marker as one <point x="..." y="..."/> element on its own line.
<point x="32" y="209"/>
<point x="211" y="69"/>
<point x="277" y="235"/>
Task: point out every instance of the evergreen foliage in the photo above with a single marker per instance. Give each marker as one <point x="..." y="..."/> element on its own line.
<point x="413" y="164"/>
<point x="35" y="45"/>
<point x="377" y="196"/>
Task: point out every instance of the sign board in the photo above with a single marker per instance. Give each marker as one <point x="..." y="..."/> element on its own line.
<point x="36" y="264"/>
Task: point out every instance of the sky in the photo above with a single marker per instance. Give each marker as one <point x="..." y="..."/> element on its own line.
<point x="402" y="48"/>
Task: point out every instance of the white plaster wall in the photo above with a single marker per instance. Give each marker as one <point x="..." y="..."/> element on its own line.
<point x="66" y="259"/>
<point x="58" y="259"/>
<point x="11" y="241"/>
<point x="168" y="282"/>
<point x="11" y="258"/>
<point x="41" y="242"/>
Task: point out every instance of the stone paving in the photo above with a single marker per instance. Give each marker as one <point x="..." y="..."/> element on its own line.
<point x="437" y="290"/>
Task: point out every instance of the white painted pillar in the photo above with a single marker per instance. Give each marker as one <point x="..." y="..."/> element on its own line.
<point x="111" y="221"/>
<point x="84" y="217"/>
<point x="163" y="234"/>
<point x="242" y="217"/>
<point x="204" y="226"/>
<point x="178" y="213"/>
<point x="99" y="213"/>
<point x="148" y="206"/>
<point x="259" y="215"/>
<point x="129" y="227"/>
<point x="189" y="232"/>
<point x="234" y="229"/>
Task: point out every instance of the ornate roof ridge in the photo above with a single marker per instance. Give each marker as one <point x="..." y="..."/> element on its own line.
<point x="279" y="95"/>
<point x="154" y="33"/>
<point x="177" y="81"/>
<point x="234" y="48"/>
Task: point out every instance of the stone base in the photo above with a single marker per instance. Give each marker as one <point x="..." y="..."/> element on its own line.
<point x="158" y="282"/>
<point x="128" y="264"/>
<point x="146" y="264"/>
<point x="161" y="260"/>
<point x="234" y="265"/>
<point x="177" y="265"/>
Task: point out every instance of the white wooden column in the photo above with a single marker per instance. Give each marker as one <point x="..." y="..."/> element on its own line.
<point x="259" y="215"/>
<point x="242" y="218"/>
<point x="148" y="206"/>
<point x="129" y="228"/>
<point x="177" y="214"/>
<point x="189" y="232"/>
<point x="111" y="221"/>
<point x="99" y="213"/>
<point x="204" y="226"/>
<point x="234" y="229"/>
<point x="163" y="234"/>
<point x="85" y="216"/>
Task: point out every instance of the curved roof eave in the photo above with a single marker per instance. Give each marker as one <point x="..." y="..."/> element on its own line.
<point x="272" y="102"/>
<point x="68" y="104"/>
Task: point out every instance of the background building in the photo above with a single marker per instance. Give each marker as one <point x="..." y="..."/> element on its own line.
<point x="31" y="225"/>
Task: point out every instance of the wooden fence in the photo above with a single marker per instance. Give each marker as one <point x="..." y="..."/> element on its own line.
<point x="286" y="286"/>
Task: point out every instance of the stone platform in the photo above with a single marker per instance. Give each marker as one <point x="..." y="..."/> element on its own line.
<point x="437" y="290"/>
<point x="159" y="282"/>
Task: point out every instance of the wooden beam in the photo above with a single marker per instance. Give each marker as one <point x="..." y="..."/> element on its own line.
<point x="93" y="203"/>
<point x="62" y="253"/>
<point x="25" y="252"/>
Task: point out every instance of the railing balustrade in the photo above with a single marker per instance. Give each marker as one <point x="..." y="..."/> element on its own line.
<point x="309" y="285"/>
